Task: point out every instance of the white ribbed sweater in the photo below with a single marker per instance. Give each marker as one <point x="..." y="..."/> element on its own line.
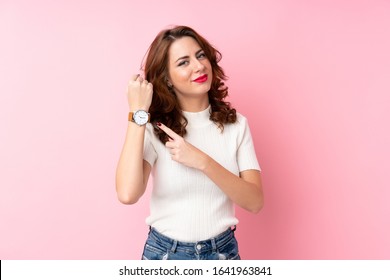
<point x="185" y="204"/>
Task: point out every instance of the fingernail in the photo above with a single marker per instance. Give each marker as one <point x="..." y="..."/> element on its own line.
<point x="158" y="124"/>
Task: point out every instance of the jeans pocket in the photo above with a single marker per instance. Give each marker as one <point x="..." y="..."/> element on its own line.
<point x="229" y="251"/>
<point x="153" y="252"/>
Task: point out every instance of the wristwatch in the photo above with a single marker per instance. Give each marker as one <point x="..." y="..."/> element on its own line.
<point x="140" y="117"/>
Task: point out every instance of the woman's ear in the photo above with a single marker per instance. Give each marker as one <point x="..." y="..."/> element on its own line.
<point x="169" y="84"/>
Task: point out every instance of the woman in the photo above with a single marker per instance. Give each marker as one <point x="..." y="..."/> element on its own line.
<point x="198" y="149"/>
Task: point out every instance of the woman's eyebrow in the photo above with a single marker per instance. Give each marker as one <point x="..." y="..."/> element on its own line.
<point x="187" y="56"/>
<point x="183" y="57"/>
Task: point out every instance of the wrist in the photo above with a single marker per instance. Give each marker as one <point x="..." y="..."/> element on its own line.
<point x="136" y="108"/>
<point x="204" y="163"/>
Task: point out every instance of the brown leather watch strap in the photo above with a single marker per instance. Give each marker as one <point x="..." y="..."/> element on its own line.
<point x="131" y="116"/>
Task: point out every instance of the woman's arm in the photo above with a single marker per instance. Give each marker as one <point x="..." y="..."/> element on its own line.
<point x="133" y="171"/>
<point x="244" y="190"/>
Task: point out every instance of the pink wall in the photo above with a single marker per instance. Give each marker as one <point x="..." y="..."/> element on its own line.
<point x="311" y="76"/>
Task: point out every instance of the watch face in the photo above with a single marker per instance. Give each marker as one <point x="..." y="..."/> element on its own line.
<point x="141" y="117"/>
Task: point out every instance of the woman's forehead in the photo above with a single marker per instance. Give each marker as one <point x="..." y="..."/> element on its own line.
<point x="184" y="46"/>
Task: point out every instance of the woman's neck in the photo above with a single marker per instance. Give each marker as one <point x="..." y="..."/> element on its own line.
<point x="194" y="104"/>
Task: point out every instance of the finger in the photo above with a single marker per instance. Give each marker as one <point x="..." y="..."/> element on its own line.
<point x="134" y="77"/>
<point x="170" y="144"/>
<point x="168" y="131"/>
<point x="138" y="78"/>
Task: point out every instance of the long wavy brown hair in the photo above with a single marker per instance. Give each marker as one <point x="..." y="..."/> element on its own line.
<point x="165" y="107"/>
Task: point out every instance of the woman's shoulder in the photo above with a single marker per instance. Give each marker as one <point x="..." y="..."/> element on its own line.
<point x="241" y="119"/>
<point x="238" y="126"/>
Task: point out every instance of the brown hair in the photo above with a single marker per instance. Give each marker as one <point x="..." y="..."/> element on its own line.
<point x="165" y="107"/>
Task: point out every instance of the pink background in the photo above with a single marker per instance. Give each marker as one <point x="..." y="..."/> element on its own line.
<point x="313" y="78"/>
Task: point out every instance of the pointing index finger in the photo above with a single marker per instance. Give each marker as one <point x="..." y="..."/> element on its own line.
<point x="168" y="131"/>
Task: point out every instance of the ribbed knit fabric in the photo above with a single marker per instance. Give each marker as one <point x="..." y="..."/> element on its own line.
<point x="185" y="204"/>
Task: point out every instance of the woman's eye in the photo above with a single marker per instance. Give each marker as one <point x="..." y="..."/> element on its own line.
<point x="201" y="55"/>
<point x="184" y="62"/>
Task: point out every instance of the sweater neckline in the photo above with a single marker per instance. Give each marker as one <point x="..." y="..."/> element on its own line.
<point x="198" y="118"/>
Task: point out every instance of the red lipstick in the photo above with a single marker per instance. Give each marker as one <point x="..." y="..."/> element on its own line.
<point x="201" y="79"/>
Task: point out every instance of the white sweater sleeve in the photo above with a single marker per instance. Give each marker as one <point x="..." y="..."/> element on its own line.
<point x="246" y="154"/>
<point x="150" y="154"/>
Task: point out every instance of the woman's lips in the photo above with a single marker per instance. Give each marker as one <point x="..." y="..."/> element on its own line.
<point x="201" y="79"/>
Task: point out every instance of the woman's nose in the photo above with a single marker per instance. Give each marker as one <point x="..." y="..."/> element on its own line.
<point x="198" y="65"/>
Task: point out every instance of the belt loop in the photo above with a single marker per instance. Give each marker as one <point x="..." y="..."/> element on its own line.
<point x="173" y="249"/>
<point x="214" y="245"/>
<point x="234" y="228"/>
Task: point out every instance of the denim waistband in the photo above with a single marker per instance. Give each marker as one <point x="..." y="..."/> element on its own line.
<point x="213" y="244"/>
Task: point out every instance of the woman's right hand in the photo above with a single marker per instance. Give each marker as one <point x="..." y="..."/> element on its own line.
<point x="139" y="93"/>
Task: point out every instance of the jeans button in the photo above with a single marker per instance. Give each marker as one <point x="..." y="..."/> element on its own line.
<point x="198" y="246"/>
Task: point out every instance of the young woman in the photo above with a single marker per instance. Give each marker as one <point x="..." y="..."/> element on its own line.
<point x="198" y="149"/>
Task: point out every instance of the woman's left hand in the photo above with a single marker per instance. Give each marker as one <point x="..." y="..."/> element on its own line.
<point x="182" y="151"/>
<point x="244" y="190"/>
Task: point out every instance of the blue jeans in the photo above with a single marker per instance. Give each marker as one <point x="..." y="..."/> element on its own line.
<point x="160" y="247"/>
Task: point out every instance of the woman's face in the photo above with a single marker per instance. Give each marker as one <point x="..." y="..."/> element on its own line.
<point x="189" y="69"/>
